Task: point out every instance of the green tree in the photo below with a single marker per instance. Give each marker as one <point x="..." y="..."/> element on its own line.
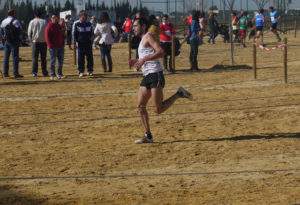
<point x="68" y="5"/>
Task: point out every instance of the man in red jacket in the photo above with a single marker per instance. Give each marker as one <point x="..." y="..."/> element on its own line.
<point x="55" y="38"/>
<point x="166" y="40"/>
<point x="127" y="27"/>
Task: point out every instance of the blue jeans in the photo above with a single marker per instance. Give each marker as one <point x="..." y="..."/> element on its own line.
<point x="14" y="50"/>
<point x="212" y="36"/>
<point x="85" y="50"/>
<point x="56" y="52"/>
<point x="105" y="51"/>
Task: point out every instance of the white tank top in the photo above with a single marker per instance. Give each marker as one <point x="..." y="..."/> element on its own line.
<point x="152" y="66"/>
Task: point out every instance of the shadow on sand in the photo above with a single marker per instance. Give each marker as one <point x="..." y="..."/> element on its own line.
<point x="240" y="138"/>
<point x="9" y="196"/>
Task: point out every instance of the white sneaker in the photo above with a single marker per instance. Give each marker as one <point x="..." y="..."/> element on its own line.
<point x="184" y="94"/>
<point x="61" y="76"/>
<point x="89" y="73"/>
<point x="53" y="78"/>
<point x="145" y="139"/>
<point x="80" y="74"/>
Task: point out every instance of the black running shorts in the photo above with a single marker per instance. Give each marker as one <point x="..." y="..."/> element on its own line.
<point x="152" y="80"/>
<point x="274" y="25"/>
<point x="259" y="28"/>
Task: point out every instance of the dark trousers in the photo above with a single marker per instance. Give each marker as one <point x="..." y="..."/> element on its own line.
<point x="85" y="51"/>
<point x="39" y="49"/>
<point x="194" y="53"/>
<point x="105" y="51"/>
<point x="212" y="36"/>
<point x="194" y="48"/>
<point x="14" y="50"/>
<point x="167" y="46"/>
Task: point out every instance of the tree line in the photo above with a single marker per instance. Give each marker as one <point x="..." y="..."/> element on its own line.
<point x="25" y="9"/>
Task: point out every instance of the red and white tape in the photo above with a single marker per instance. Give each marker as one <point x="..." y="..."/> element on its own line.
<point x="268" y="49"/>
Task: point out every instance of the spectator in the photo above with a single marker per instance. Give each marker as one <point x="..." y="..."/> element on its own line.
<point x="213" y="25"/>
<point x="24" y="36"/>
<point x="11" y="30"/>
<point x="55" y="37"/>
<point x="36" y="35"/>
<point x="119" y="25"/>
<point x="82" y="38"/>
<point x="166" y="40"/>
<point x="127" y="27"/>
<point x="194" y="41"/>
<point x="94" y="24"/>
<point x="202" y="22"/>
<point x="103" y="29"/>
<point x="154" y="28"/>
<point x="47" y="19"/>
<point x="69" y="24"/>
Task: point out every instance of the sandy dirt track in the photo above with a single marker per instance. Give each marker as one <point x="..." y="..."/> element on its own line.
<point x="72" y="141"/>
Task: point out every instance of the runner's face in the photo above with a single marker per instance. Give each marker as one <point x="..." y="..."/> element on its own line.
<point x="137" y="29"/>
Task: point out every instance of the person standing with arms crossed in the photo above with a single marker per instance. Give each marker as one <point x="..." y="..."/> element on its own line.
<point x="153" y="79"/>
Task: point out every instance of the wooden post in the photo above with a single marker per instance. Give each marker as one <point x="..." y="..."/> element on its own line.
<point x="129" y="49"/>
<point x="295" y="27"/>
<point x="74" y="55"/>
<point x="173" y="54"/>
<point x="254" y="60"/>
<point x="285" y="60"/>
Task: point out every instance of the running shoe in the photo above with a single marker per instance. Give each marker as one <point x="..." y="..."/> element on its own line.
<point x="184" y="94"/>
<point x="145" y="139"/>
<point x="80" y="74"/>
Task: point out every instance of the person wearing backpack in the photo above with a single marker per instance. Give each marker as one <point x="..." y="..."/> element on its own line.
<point x="11" y="32"/>
<point x="36" y="35"/>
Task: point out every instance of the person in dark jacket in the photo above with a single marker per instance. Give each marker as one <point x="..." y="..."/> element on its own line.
<point x="82" y="39"/>
<point x="11" y="43"/>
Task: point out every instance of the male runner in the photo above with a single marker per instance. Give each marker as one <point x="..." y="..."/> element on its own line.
<point x="275" y="16"/>
<point x="153" y="79"/>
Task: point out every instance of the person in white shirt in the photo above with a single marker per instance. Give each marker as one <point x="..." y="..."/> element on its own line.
<point x="105" y="39"/>
<point x="36" y="35"/>
<point x="153" y="79"/>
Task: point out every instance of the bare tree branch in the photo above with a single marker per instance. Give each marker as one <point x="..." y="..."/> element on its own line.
<point x="261" y="3"/>
<point x="230" y="4"/>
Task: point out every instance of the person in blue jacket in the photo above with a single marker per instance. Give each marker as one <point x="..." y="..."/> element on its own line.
<point x="275" y="16"/>
<point x="194" y="40"/>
